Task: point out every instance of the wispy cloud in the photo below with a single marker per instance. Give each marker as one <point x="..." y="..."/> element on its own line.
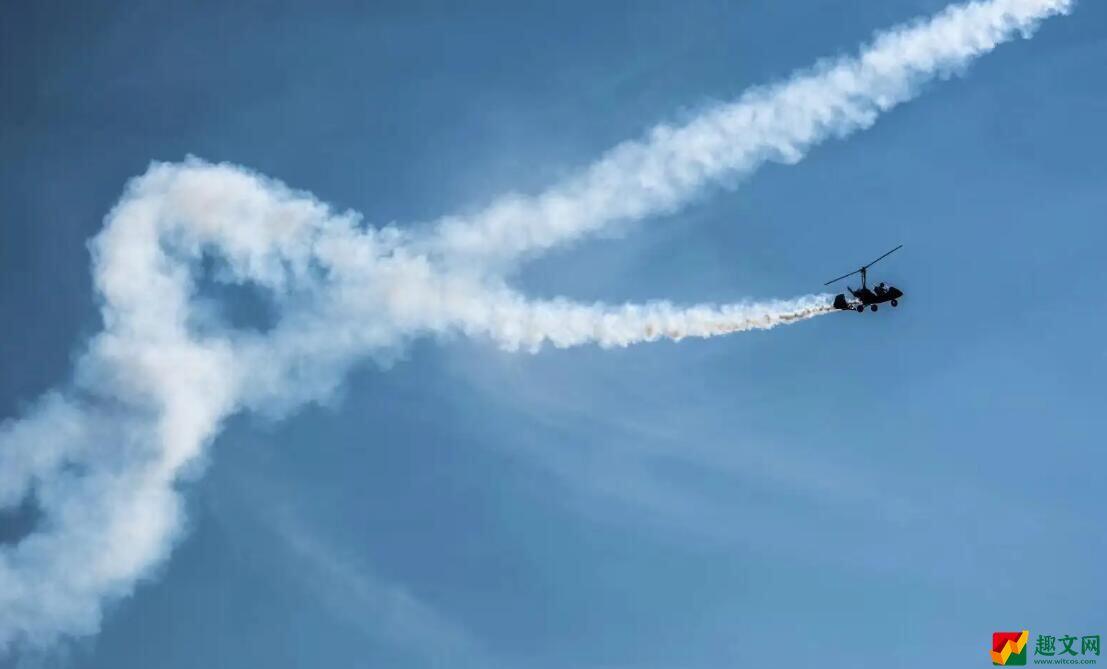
<point x="385" y="611"/>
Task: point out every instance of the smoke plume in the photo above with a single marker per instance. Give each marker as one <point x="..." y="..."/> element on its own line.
<point x="102" y="457"/>
<point x="780" y="123"/>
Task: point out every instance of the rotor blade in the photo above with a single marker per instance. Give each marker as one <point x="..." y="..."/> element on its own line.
<point x="884" y="256"/>
<point x="841" y="277"/>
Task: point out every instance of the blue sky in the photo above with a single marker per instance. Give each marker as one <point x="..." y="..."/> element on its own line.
<point x="874" y="491"/>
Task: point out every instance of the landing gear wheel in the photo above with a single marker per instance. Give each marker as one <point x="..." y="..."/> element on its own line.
<point x="895" y="303"/>
<point x="860" y="308"/>
<point x="873" y="307"/>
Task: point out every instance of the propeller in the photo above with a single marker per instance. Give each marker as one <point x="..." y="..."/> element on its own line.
<point x="866" y="267"/>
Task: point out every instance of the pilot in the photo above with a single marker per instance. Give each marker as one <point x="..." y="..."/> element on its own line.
<point x="880" y="289"/>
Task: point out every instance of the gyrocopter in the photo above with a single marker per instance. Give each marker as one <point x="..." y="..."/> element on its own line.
<point x="865" y="296"/>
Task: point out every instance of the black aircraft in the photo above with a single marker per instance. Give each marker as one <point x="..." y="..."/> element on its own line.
<point x="865" y="296"/>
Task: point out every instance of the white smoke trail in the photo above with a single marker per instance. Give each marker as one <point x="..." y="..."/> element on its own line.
<point x="516" y="323"/>
<point x="777" y="123"/>
<point x="101" y="458"/>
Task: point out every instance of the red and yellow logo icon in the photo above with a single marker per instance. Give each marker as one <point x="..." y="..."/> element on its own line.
<point x="1009" y="648"/>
